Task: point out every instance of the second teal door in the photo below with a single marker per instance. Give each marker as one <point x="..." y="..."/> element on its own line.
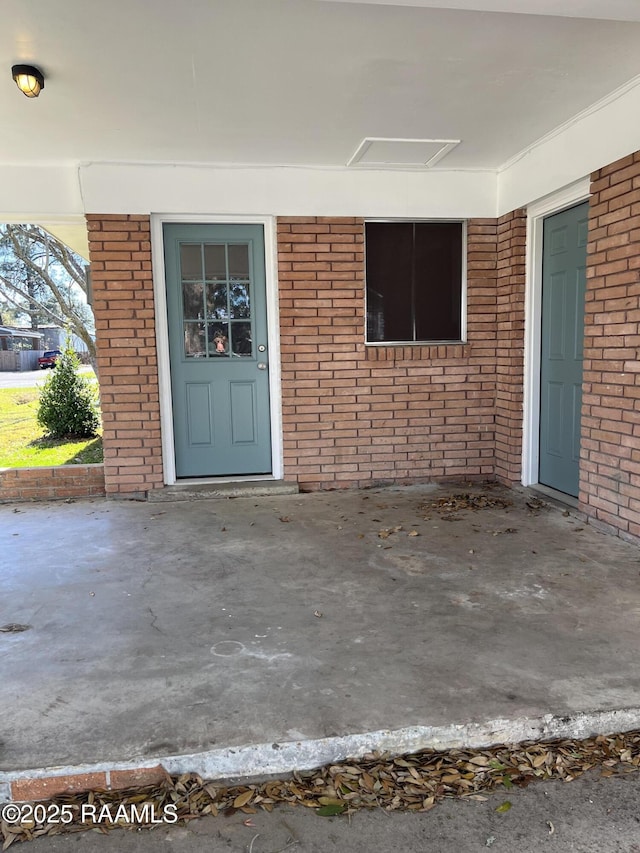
<point x="216" y="305"/>
<point x="563" y="287"/>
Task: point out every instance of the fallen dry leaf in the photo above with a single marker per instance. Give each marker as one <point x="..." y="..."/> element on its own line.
<point x="414" y="782"/>
<point x="242" y="799"/>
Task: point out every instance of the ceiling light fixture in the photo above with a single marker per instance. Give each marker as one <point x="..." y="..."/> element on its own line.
<point x="29" y="80"/>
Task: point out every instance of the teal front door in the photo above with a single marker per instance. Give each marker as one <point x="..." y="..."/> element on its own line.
<point x="216" y="306"/>
<point x="564" y="259"/>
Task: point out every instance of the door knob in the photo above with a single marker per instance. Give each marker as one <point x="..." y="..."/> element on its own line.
<point x="262" y="365"/>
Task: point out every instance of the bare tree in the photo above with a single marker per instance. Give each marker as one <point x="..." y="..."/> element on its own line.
<point x="45" y="280"/>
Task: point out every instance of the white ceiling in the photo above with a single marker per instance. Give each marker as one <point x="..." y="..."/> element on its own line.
<point x="303" y="82"/>
<point x="613" y="10"/>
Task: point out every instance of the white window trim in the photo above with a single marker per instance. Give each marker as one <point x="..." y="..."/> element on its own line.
<point x="536" y="213"/>
<point x="463" y="291"/>
<point x="162" y="334"/>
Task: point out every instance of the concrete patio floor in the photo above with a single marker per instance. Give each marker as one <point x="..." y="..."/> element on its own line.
<point x="271" y="628"/>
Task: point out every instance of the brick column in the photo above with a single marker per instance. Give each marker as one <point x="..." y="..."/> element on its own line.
<point x="610" y="451"/>
<point x="512" y="237"/>
<point x="123" y="305"/>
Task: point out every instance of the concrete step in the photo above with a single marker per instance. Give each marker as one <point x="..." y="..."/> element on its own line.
<point x="216" y="490"/>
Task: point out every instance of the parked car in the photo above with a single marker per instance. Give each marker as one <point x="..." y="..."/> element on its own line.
<point x="49" y="359"/>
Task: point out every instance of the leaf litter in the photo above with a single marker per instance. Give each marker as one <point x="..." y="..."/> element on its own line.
<point x="415" y="782"/>
<point x="465" y="500"/>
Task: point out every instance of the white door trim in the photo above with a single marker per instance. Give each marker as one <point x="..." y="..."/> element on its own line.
<point x="536" y="213"/>
<point x="162" y="333"/>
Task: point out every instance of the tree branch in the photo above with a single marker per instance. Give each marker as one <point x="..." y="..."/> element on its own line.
<point x="59" y="320"/>
<point x="67" y="308"/>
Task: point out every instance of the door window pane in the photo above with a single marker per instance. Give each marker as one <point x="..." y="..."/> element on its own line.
<point x="238" y="260"/>
<point x="191" y="260"/>
<point x="241" y="343"/>
<point x="219" y="340"/>
<point x="239" y="300"/>
<point x="217" y="302"/>
<point x="215" y="264"/>
<point x="192" y="300"/>
<point x="194" y="340"/>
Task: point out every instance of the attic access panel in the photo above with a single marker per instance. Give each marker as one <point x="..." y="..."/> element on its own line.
<point x="381" y="152"/>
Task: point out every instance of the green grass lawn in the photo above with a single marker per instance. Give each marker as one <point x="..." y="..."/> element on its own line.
<point x="22" y="442"/>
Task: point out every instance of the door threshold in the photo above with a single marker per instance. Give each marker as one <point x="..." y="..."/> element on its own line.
<point x="235" y="478"/>
<point x="555" y="495"/>
<point x="215" y="488"/>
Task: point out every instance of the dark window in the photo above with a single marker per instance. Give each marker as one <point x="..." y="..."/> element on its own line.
<point x="414" y="281"/>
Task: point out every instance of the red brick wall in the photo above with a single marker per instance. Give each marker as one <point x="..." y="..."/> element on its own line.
<point x="123" y="304"/>
<point x="63" y="481"/>
<point x="355" y="415"/>
<point x="610" y="463"/>
<point x="512" y="237"/>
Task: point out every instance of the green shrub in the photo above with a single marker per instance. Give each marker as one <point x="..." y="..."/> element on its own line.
<point x="68" y="402"/>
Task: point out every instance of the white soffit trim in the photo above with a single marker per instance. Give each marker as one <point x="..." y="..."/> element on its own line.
<point x="140" y="188"/>
<point x="599" y="135"/>
<point x="30" y="191"/>
<point x="605" y="10"/>
<point x="592" y="109"/>
<point x="379" y="152"/>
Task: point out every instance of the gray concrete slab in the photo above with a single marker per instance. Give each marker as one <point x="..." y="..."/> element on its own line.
<point x="167" y="629"/>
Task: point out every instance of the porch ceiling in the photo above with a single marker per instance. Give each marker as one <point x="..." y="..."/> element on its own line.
<point x="612" y="10"/>
<point x="302" y="82"/>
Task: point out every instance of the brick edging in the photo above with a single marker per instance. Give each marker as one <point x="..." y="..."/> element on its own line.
<point x="57" y="482"/>
<point x="30" y="789"/>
